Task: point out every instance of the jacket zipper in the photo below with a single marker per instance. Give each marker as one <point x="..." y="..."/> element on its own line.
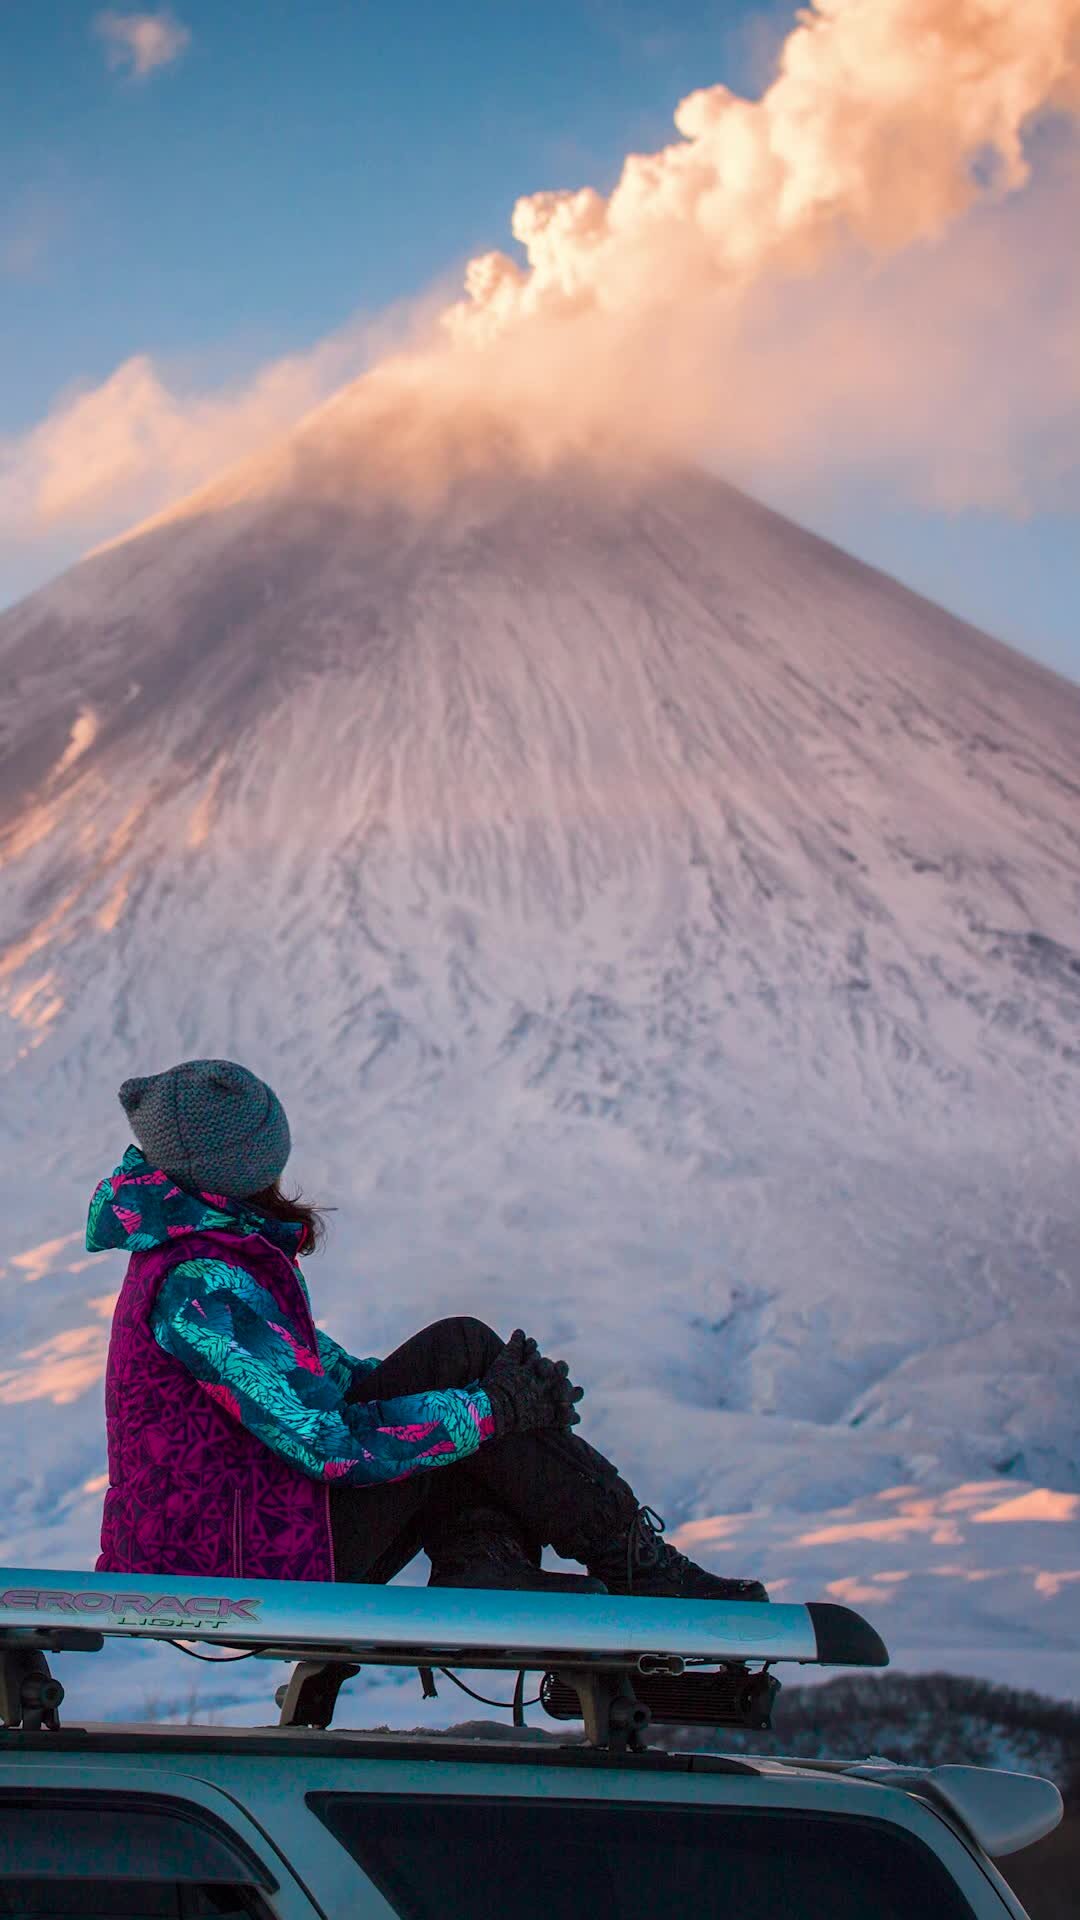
<point x="294" y="1276"/>
<point x="314" y="1335"/>
<point x="237" y="1537"/>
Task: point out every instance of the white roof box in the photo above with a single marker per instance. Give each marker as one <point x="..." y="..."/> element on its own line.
<point x="417" y="1626"/>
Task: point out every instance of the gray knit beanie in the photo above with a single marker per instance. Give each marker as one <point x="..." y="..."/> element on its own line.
<point x="211" y="1126"/>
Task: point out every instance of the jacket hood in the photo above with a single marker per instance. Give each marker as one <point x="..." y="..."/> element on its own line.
<point x="137" y="1207"/>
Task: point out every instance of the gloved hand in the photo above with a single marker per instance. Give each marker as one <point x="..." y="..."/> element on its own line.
<point x="555" y="1375"/>
<point x="523" y="1400"/>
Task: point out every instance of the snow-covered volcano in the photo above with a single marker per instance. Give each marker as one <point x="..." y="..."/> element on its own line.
<point x="664" y="932"/>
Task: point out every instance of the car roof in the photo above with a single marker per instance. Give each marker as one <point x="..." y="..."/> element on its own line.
<point x="999" y="1811"/>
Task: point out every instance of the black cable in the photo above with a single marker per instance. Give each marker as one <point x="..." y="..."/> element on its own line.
<point x="212" y="1659"/>
<point x="482" y="1697"/>
<point x="227" y="1660"/>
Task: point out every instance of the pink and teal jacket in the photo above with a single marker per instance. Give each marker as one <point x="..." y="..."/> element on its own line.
<point x="225" y="1406"/>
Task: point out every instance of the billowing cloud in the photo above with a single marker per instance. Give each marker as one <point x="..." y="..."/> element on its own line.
<point x="137" y="43"/>
<point x="860" y="269"/>
<point x="858" y="275"/>
<point x="887" y="121"/>
<point x="947" y="374"/>
<point x="121" y="450"/>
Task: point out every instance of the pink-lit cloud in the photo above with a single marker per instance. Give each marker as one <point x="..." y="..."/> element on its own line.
<point x="860" y="269"/>
<point x="849" y="1553"/>
<point x="921" y="1517"/>
<point x="66" y="1366"/>
<point x="858" y="1593"/>
<point x="973" y="1576"/>
<point x="938" y="1516"/>
<point x="35" y="1262"/>
<point x="139" y="43"/>
<point x="860" y="273"/>
<point x="1040" y="1504"/>
<point x="61" y="1369"/>
<point x="888" y="119"/>
<point x="711" y="1532"/>
<point x="121" y="450"/>
<point x="1050" y="1584"/>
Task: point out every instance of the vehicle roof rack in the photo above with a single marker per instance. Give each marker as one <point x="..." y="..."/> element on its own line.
<point x="623" y="1660"/>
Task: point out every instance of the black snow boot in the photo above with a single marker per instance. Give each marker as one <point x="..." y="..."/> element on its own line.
<point x="638" y="1560"/>
<point x="482" y="1547"/>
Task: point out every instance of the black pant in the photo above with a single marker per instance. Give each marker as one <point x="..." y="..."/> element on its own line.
<point x="556" y="1488"/>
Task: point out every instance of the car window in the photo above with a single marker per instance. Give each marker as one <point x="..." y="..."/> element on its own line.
<point x="82" y="1899"/>
<point x="110" y="1856"/>
<point x="450" y="1858"/>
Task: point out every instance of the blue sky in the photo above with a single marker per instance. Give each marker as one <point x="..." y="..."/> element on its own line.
<point x="294" y="164"/>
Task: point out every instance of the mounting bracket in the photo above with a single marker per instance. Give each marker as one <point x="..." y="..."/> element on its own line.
<point x="30" y="1696"/>
<point x="308" y="1699"/>
<point x="614" y="1717"/>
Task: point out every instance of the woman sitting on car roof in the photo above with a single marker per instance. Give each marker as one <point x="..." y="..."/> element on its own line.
<point x="244" y="1442"/>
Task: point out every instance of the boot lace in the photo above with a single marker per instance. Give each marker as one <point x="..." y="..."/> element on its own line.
<point x="645" y="1546"/>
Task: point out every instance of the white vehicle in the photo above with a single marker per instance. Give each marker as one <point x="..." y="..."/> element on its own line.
<point x="297" y="1820"/>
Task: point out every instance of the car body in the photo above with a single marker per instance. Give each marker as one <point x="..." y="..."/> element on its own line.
<point x="353" y="1826"/>
<point x="293" y="1821"/>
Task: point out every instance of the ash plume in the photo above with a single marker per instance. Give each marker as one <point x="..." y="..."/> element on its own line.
<point x="858" y="275"/>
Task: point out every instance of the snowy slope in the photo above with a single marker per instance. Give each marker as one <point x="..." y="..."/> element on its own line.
<point x="663" y="930"/>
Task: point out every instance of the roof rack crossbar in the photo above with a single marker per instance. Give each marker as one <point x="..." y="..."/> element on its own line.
<point x="416" y="1626"/>
<point x="616" y="1663"/>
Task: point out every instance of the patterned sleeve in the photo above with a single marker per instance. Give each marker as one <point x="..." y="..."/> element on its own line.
<point x="228" y="1331"/>
<point x="343" y="1368"/>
